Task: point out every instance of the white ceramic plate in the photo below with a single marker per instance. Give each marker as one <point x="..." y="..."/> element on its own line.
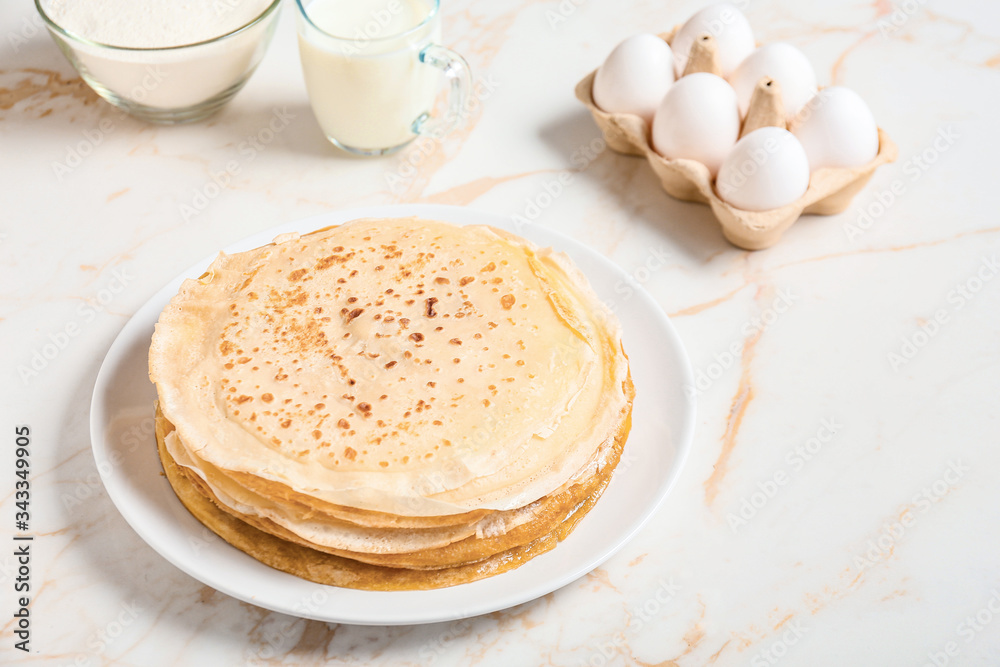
<point x="121" y="425"/>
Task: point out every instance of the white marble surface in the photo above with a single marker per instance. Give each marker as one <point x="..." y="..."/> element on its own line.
<point x="802" y="582"/>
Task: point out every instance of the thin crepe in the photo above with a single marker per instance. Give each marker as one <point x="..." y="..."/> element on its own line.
<point x="393" y="370"/>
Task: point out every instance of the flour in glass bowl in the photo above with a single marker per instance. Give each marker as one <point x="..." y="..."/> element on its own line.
<point x="152" y="23"/>
<point x="172" y="78"/>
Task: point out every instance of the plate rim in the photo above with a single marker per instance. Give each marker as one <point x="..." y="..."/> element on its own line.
<point x="458" y="215"/>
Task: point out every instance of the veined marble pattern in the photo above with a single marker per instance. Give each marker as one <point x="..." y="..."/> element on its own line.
<point x="841" y="505"/>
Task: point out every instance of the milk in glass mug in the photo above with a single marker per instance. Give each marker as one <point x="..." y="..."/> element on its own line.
<point x="373" y="69"/>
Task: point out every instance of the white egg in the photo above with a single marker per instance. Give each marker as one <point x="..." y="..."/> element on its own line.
<point x="729" y="27"/>
<point x="785" y="64"/>
<point x="635" y="76"/>
<point x="766" y="169"/>
<point x="837" y="129"/>
<point x="698" y="119"/>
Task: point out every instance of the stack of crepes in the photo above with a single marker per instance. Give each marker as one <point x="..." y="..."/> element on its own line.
<point x="390" y="404"/>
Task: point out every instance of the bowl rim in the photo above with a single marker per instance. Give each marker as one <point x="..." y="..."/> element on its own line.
<point x="73" y="37"/>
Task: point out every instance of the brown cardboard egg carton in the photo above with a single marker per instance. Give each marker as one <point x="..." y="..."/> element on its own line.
<point x="830" y="190"/>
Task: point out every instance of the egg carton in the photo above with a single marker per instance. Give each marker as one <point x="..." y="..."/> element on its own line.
<point x="830" y="189"/>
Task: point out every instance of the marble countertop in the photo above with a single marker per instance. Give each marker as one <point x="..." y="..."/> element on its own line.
<point x="841" y="505"/>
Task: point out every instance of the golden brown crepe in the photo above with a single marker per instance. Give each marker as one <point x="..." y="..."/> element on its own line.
<point x="324" y="568"/>
<point x="404" y="393"/>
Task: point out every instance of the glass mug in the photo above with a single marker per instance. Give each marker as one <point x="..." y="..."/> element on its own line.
<point x="372" y="71"/>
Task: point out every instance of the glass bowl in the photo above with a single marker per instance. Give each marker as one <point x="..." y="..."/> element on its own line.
<point x="176" y="84"/>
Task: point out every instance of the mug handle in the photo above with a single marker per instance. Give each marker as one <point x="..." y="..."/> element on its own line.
<point x="459" y="76"/>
